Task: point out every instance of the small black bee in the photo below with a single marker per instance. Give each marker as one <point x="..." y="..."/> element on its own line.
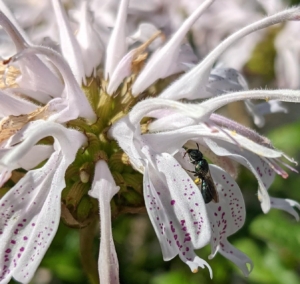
<point x="208" y="188"/>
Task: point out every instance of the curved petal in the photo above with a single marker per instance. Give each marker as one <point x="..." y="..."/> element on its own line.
<point x="286" y="205"/>
<point x="73" y="102"/>
<point x="193" y="83"/>
<point x="35" y="74"/>
<point x="14" y="105"/>
<point x="31" y="209"/>
<point x="261" y="170"/>
<point x="237" y="257"/>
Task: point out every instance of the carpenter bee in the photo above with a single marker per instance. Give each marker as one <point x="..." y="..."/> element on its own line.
<point x="208" y="188"/>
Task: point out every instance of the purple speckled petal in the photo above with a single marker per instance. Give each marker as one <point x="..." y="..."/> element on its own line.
<point x="258" y="166"/>
<point x="229" y="214"/>
<point x="173" y="232"/>
<point x="30" y="211"/>
<point x="176" y="208"/>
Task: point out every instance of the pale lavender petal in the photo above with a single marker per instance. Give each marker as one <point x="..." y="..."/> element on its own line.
<point x="31" y="209"/>
<point x="229" y="214"/>
<point x="73" y="102"/>
<point x="225" y="80"/>
<point x="286" y="205"/>
<point x="5" y="175"/>
<point x="143" y="108"/>
<point x="121" y="71"/>
<point x="143" y="33"/>
<point x="103" y="189"/>
<point x="287" y="67"/>
<point x="14" y="105"/>
<point x="89" y="42"/>
<point x="174" y="233"/>
<point x="69" y="45"/>
<point x="158" y="66"/>
<point x="170" y="122"/>
<point x="123" y="131"/>
<point x="258" y="166"/>
<point x="35" y="156"/>
<point x="237" y="257"/>
<point x="116" y="47"/>
<point x="192" y="84"/>
<point x="34" y="72"/>
<point x="170" y="141"/>
<point x="259" y="110"/>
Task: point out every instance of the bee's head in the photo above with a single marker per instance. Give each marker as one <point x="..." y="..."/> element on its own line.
<point x="194" y="154"/>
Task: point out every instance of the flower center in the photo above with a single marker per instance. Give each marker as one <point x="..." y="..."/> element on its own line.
<point x="78" y="206"/>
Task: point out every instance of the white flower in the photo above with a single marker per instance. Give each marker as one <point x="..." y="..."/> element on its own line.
<point x="84" y="129"/>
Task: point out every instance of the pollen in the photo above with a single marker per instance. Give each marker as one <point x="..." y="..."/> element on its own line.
<point x="8" y="76"/>
<point x="11" y="124"/>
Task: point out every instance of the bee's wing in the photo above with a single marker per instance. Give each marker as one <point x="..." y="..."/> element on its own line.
<point x="212" y="187"/>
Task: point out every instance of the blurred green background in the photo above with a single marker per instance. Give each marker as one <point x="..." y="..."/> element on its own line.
<point x="272" y="241"/>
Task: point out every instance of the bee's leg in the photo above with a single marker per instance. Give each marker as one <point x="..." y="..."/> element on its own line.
<point x="191" y="172"/>
<point x="197" y="146"/>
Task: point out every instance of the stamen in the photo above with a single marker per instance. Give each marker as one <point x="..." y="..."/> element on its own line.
<point x="241" y="129"/>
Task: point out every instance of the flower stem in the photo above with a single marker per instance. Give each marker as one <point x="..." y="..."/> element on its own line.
<point x="88" y="259"/>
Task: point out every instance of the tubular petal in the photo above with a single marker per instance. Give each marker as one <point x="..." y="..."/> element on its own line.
<point x="103" y="189"/>
<point x="116" y="47"/>
<point x="89" y="42"/>
<point x="158" y="66"/>
<point x="69" y="45"/>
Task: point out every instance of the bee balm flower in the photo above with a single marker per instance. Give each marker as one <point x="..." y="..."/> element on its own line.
<point x="68" y="133"/>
